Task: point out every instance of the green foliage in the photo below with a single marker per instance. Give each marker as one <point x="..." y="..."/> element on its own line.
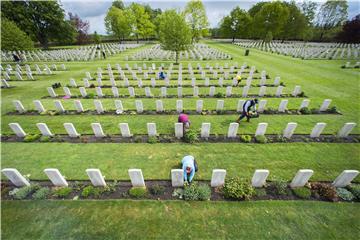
<point x="138" y="192"/>
<point x="110" y="187"/>
<point x="191" y="136"/>
<point x="245" y="138"/>
<point x="236" y="25"/>
<point x="157" y="190"/>
<point x="142" y="26"/>
<point x="42" y="193"/>
<point x="260" y="192"/>
<point x="281" y="138"/>
<point x="22" y="193"/>
<point x="268" y="37"/>
<point x="96" y="38"/>
<point x="62" y="192"/>
<point x="90" y="95"/>
<point x="305" y="111"/>
<point x="153" y="140"/>
<point x="344" y="194"/>
<point x="31" y="137"/>
<point x="219" y="95"/>
<point x="326" y="191"/>
<point x="45" y="139"/>
<point x="178" y="193"/>
<point x="333" y="109"/>
<point x="261" y="139"/>
<point x="236" y="188"/>
<point x="119" y="22"/>
<point x="195" y="16"/>
<point x="91" y="191"/>
<point x="195" y="192"/>
<point x="13" y="38"/>
<point x="355" y="190"/>
<point x="278" y="187"/>
<point x="302" y="192"/>
<point x="174" y="33"/>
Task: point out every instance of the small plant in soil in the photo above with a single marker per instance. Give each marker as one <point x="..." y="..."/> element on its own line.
<point x="152" y="140"/>
<point x="305" y="111"/>
<point x="196" y="191"/>
<point x="261" y="139"/>
<point x="219" y="95"/>
<point x="157" y="190"/>
<point x="45" y="139"/>
<point x="138" y="139"/>
<point x="245" y="138"/>
<point x="110" y="187"/>
<point x="344" y="194"/>
<point x="302" y="94"/>
<point x="236" y="188"/>
<point x="325" y="191"/>
<point x="42" y="193"/>
<point x="278" y="187"/>
<point x="91" y="191"/>
<point x="138" y="192"/>
<point x="191" y="136"/>
<point x="22" y="193"/>
<point x="62" y="192"/>
<point x="260" y="192"/>
<point x="178" y="193"/>
<point x="302" y="192"/>
<point x="355" y="190"/>
<point x="333" y="109"/>
<point x="31" y="137"/>
<point x="281" y="138"/>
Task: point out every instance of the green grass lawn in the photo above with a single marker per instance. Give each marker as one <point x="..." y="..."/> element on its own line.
<point x="179" y="220"/>
<point x="156" y="161"/>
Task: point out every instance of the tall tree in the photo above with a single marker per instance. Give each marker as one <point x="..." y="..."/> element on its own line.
<point x="296" y="24"/>
<point x="174" y="33"/>
<point x="119" y="22"/>
<point x="143" y="27"/>
<point x="350" y="32"/>
<point x="81" y="27"/>
<point x="333" y="13"/>
<point x="12" y="38"/>
<point x="236" y="25"/>
<point x="118" y="4"/>
<point x="308" y="8"/>
<point x="195" y="16"/>
<point x="256" y="8"/>
<point x="96" y="38"/>
<point x="42" y="20"/>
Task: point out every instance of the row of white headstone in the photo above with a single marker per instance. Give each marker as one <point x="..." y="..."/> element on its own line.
<point x="177" y="177"/>
<point x="29" y="74"/>
<point x="179" y="130"/>
<point x="160" y="106"/>
<point x="147" y="90"/>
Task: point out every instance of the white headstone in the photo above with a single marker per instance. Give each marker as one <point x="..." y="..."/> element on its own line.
<point x="345" y="178"/>
<point x="179" y="130"/>
<point x="39" y="107"/>
<point x="177" y="177"/>
<point x="59" y="107"/>
<point x="115" y="91"/>
<point x="136" y="177"/>
<point x="196" y="91"/>
<point x="261" y="129"/>
<point x="17" y="129"/>
<point x="301" y="178"/>
<point x="199" y="106"/>
<point x="72" y="82"/>
<point x="147" y="92"/>
<point x="220" y="105"/>
<point x="289" y="130"/>
<point x="159" y="106"/>
<point x="228" y="91"/>
<point x="259" y="177"/>
<point x="179" y="92"/>
<point x="245" y="91"/>
<point x="151" y="128"/>
<point x="70" y="129"/>
<point x="98" y="106"/>
<point x="67" y="91"/>
<point x="18" y="106"/>
<point x="51" y="92"/>
<point x="305" y="103"/>
<point x="99" y="92"/>
<point x="125" y="131"/>
<point x="262" y="91"/>
<point x="277" y="81"/>
<point x="45" y="131"/>
<point x="78" y="106"/>
<point x="212" y="91"/>
<point x="317" y="130"/>
<point x="346" y="129"/>
<point x="55" y="177"/>
<point x="240" y="105"/>
<point x="218" y="177"/>
<point x="325" y="105"/>
<point x="233" y="128"/>
<point x="97" y="129"/>
<point x="179" y="106"/>
<point x="163" y="91"/>
<point x="96" y="178"/>
<point x="205" y="130"/>
<point x="262" y="105"/>
<point x="283" y="105"/>
<point x="279" y="90"/>
<point x="296" y="91"/>
<point x="15" y="177"/>
<point x="82" y="91"/>
<point x="139" y="106"/>
<point x="86" y="83"/>
<point x="131" y="91"/>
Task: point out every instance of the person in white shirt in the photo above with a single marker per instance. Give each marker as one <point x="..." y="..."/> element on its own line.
<point x="247" y="107"/>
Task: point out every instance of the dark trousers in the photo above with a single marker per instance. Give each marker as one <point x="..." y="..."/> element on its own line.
<point x="244" y="114"/>
<point x="196" y="166"/>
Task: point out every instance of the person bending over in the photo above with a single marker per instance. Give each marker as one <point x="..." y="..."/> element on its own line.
<point x="184" y="119"/>
<point x="189" y="167"/>
<point x="248" y="105"/>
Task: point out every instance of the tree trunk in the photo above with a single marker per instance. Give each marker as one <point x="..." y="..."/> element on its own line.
<point x="176" y="57"/>
<point x="233" y="39"/>
<point x="137" y="38"/>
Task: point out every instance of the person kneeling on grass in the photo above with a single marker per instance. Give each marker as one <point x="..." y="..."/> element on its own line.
<point x="238" y="79"/>
<point x="189" y="167"/>
<point x="184" y="119"/>
<point x="248" y="105"/>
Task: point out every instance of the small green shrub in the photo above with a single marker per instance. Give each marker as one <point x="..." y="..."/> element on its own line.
<point x="197" y="191"/>
<point x="157" y="190"/>
<point x="91" y="191"/>
<point x="23" y="192"/>
<point x="344" y="194"/>
<point x="110" y="187"/>
<point x="45" y="139"/>
<point x="302" y="94"/>
<point x="219" y="95"/>
<point x="355" y="190"/>
<point x="261" y="139"/>
<point x="236" y="188"/>
<point x="305" y="111"/>
<point x="138" y="192"/>
<point x="62" y="192"/>
<point x="138" y="139"/>
<point x="191" y="136"/>
<point x="325" y="191"/>
<point x="178" y="193"/>
<point x="279" y="187"/>
<point x="281" y="138"/>
<point x="42" y="193"/>
<point x="152" y="140"/>
<point x="245" y="138"/>
<point x="31" y="137"/>
<point x="333" y="109"/>
<point x="302" y="192"/>
<point x="260" y="192"/>
<point x="90" y="95"/>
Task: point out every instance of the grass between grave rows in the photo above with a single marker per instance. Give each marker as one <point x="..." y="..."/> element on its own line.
<point x="179" y="220"/>
<point x="156" y="161"/>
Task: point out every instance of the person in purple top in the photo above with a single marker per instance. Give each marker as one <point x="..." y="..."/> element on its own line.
<point x="184" y="118"/>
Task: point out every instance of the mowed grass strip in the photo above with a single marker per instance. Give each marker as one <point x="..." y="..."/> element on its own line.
<point x="156" y="161"/>
<point x="179" y="220"/>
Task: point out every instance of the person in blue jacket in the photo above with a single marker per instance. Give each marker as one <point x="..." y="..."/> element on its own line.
<point x="162" y="75"/>
<point x="189" y="167"/>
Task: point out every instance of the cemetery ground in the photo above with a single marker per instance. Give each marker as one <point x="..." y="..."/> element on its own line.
<point x="319" y="79"/>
